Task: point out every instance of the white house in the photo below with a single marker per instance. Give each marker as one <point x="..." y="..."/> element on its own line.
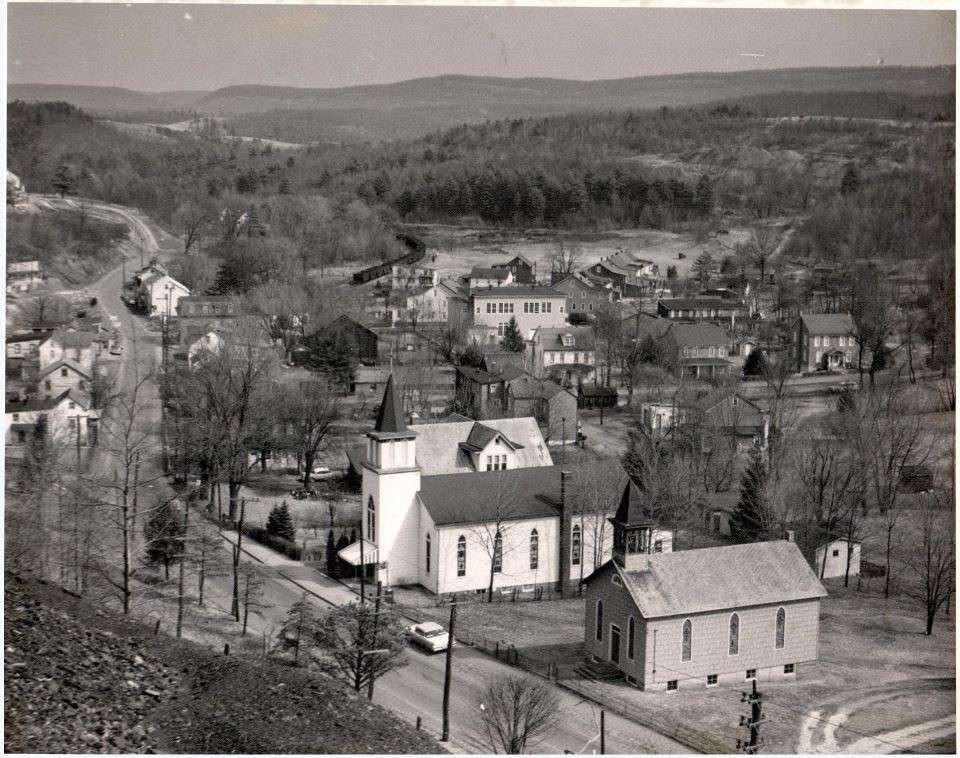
<point x="62" y="376"/>
<point x="56" y="417"/>
<point x="82" y="348"/>
<point x="532" y="307"/>
<point x="413" y="277"/>
<point x="446" y="531"/>
<point x="481" y="277"/>
<point x="160" y="293"/>
<point x="831" y="558"/>
<point x="208" y="343"/>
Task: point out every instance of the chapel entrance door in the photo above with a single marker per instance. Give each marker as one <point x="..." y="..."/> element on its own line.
<point x="615" y="644"/>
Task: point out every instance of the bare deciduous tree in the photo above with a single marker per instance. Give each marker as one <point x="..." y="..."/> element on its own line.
<point x="933" y="558"/>
<point x="515" y="710"/>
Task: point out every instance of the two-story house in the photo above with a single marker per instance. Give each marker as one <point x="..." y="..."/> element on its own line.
<point x="697" y="351"/>
<point x="61" y="376"/>
<point x="57" y="417"/>
<point x="523" y="270"/>
<point x="532" y="307"/>
<point x="723" y="410"/>
<point x="567" y="355"/>
<point x="81" y="347"/>
<point x="582" y="295"/>
<point x="22" y="276"/>
<point x="406" y="277"/>
<point x="824" y="341"/>
<point x="701" y="618"/>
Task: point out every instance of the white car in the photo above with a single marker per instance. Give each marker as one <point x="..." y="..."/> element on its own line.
<point x="320" y="472"/>
<point x="430" y="636"/>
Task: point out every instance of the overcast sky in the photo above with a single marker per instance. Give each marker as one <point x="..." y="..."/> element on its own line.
<point x="167" y="47"/>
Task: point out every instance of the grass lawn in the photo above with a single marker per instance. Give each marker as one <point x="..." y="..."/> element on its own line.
<point x="876" y="672"/>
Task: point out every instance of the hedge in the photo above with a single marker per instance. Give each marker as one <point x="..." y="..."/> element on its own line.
<point x="290" y="549"/>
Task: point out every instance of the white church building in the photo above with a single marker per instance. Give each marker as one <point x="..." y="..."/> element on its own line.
<point x="444" y="502"/>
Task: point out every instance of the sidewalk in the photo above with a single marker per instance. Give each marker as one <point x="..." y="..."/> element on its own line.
<point x="305" y="577"/>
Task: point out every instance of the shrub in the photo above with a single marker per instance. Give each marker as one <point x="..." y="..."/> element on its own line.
<point x="288" y="547"/>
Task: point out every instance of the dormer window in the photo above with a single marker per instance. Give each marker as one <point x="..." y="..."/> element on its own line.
<point x="568" y="340"/>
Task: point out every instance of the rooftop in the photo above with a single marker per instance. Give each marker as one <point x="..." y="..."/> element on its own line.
<point x="552" y="337"/>
<point x="481" y="272"/>
<point x="828" y="323"/>
<point x="439" y="448"/>
<point x="696" y="335"/>
<point x="518" y="291"/>
<point x="720" y="578"/>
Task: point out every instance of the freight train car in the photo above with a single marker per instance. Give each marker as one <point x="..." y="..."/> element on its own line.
<point x="417" y="251"/>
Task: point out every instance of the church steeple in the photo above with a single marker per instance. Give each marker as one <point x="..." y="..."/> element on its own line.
<point x="390" y="417"/>
<point x="391" y="444"/>
<point x="632" y="530"/>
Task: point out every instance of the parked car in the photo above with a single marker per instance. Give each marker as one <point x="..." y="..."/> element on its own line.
<point x="304" y="494"/>
<point x="321" y="472"/>
<point x="116" y="349"/>
<point x="430" y="635"/>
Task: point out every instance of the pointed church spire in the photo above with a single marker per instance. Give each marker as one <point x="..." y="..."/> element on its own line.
<point x="390" y="418"/>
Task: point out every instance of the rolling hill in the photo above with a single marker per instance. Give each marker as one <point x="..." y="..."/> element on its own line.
<point x="411" y="108"/>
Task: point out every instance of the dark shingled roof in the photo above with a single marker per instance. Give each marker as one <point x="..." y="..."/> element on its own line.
<point x="721" y="578"/>
<point x="840" y="324"/>
<point x="697" y="335"/>
<point x="631" y="510"/>
<point x="479" y="272"/>
<point x="390" y="417"/>
<point x="519" y="291"/>
<point x="472" y="498"/>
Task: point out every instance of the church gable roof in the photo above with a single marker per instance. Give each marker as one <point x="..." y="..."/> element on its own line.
<point x="720" y="578"/>
<point x="440" y="450"/>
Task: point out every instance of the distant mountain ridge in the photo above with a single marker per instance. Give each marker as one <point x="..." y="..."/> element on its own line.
<point x="425" y="104"/>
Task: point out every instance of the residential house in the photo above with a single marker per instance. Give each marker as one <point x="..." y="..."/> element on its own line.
<point x="532" y="307"/>
<point x="207" y="344"/>
<point x="424" y="305"/>
<point x="824" y="341"/>
<point x="704" y="309"/>
<point x="567" y="355"/>
<point x="23" y="276"/>
<point x="522" y="269"/>
<point x="58" y="417"/>
<point x="82" y="348"/>
<point x="61" y="376"/>
<point x="553" y="406"/>
<point x="701" y="618"/>
<point x="363" y="339"/>
<point x="698" y="351"/>
<point x="626" y="273"/>
<point x="723" y="410"/>
<point x="830" y="559"/>
<point x="158" y="294"/>
<point x="582" y="295"/>
<point x="481" y="277"/>
<point x="26" y="344"/>
<point x="448" y="532"/>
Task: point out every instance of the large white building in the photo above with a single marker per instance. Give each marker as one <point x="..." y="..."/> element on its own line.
<point x="506" y="507"/>
<point x="533" y="307"/>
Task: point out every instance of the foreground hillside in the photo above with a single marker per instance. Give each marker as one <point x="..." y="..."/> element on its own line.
<point x="77" y="679"/>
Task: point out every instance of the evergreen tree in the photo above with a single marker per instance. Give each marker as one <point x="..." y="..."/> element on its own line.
<point x="751" y="519"/>
<point x="163" y="534"/>
<point x="299" y="630"/>
<point x="343" y="568"/>
<point x="334" y="353"/>
<point x="331" y="555"/>
<point x="649" y="350"/>
<point x="63" y="180"/>
<point x="254" y="226"/>
<point x="280" y="523"/>
<point x="703" y="196"/>
<point x="512" y="340"/>
<point x="850" y="182"/>
<point x="703" y="268"/>
<point x="284" y="188"/>
<point x="755" y="364"/>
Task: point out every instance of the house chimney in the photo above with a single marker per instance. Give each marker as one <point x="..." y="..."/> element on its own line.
<point x="566" y="530"/>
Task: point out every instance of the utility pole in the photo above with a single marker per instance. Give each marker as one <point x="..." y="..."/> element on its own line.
<point x="753" y="721"/>
<point x="136" y="488"/>
<point x="563" y="438"/>
<point x="445" y="737"/>
<point x="77" y="419"/>
<point x="376" y="623"/>
<point x="363" y="571"/>
<point x="603" y="732"/>
<point x="235" y="609"/>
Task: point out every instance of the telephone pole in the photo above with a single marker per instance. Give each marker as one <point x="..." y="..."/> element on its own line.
<point x="376" y="623"/>
<point x="753" y="721"/>
<point x="603" y="732"/>
<point x="445" y="737"/>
